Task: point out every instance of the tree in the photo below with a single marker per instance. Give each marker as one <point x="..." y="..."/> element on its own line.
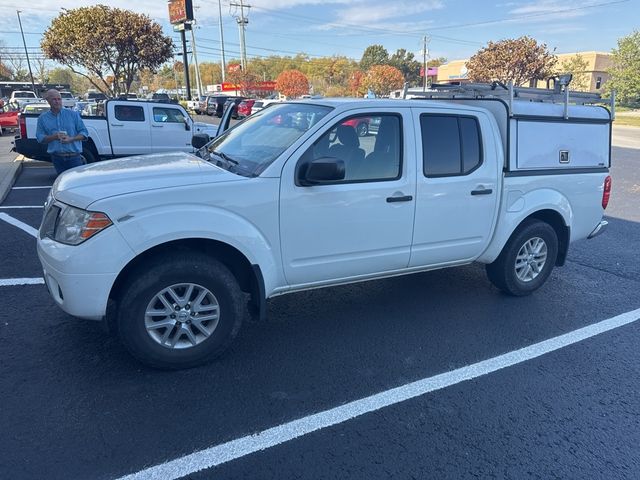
<point x="407" y="64"/>
<point x="382" y="79"/>
<point x="245" y="81"/>
<point x="625" y="69"/>
<point x="436" y="62"/>
<point x="518" y="60"/>
<point x="577" y="67"/>
<point x="105" y="41"/>
<point x="65" y="75"/>
<point x="5" y="70"/>
<point x="292" y="83"/>
<point x="356" y="87"/>
<point x="374" y="55"/>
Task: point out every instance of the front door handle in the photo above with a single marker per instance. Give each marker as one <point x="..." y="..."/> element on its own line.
<point x="404" y="198"/>
<point x="482" y="191"/>
<point x="117" y="124"/>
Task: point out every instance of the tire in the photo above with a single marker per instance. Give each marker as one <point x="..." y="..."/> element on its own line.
<point x="362" y="129"/>
<point x="526" y="260"/>
<point x="89" y="156"/>
<point x="214" y="294"/>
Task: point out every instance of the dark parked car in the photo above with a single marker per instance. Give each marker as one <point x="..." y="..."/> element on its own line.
<point x="95" y="97"/>
<point x="162" y="97"/>
<point x="216" y="104"/>
<point x="237" y="101"/>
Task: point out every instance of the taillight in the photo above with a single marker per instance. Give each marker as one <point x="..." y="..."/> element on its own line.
<point x="22" y="122"/>
<point x="606" y="192"/>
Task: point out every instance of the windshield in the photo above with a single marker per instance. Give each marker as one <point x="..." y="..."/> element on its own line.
<point x="249" y="147"/>
<point x="24" y="95"/>
<point x="65" y="95"/>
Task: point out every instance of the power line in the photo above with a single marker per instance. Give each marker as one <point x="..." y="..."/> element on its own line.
<point x="522" y="17"/>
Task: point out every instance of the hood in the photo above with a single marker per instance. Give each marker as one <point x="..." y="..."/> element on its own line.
<point x="201" y="127"/>
<point x="84" y="185"/>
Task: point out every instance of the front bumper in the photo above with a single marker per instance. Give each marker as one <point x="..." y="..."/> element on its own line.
<point x="602" y="226"/>
<point x="80" y="278"/>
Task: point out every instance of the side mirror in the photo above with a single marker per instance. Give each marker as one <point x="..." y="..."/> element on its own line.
<point x="323" y="170"/>
<point x="199" y="140"/>
<point x="187" y="127"/>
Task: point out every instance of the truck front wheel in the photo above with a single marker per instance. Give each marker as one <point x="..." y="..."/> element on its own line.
<point x="180" y="312"/>
<point x="89" y="156"/>
<point x="526" y="260"/>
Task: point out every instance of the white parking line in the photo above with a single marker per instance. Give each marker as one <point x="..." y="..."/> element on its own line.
<point x="30" y="188"/>
<point x="12" y="282"/>
<point x="226" y="452"/>
<point x="21" y="225"/>
<point x="13" y="207"/>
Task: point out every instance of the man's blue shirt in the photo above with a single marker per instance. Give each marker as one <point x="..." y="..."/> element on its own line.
<point x="66" y="120"/>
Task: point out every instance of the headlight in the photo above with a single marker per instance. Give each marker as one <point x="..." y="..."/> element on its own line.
<point x="75" y="225"/>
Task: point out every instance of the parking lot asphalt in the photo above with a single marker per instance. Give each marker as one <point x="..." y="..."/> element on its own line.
<point x="76" y="406"/>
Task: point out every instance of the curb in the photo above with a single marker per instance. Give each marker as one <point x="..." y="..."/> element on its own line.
<point x="12" y="171"/>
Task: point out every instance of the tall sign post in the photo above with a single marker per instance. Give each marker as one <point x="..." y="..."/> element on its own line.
<point x="181" y="16"/>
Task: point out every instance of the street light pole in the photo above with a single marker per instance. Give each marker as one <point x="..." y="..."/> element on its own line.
<point x="223" y="65"/>
<point x="33" y="85"/>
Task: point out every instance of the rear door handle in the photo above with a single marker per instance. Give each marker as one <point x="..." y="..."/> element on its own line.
<point x="404" y="198"/>
<point x="482" y="191"/>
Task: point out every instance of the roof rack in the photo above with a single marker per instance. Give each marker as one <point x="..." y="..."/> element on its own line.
<point x="559" y="94"/>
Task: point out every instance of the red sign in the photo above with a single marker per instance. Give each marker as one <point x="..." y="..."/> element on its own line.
<point x="180" y="11"/>
<point x="234" y="67"/>
<point x="259" y="86"/>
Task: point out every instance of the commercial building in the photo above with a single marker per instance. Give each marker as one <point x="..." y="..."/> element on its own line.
<point x="594" y="76"/>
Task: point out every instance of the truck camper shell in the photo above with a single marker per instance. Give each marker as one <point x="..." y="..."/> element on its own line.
<point x="543" y="131"/>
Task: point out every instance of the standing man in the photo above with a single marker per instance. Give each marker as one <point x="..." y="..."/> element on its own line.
<point x="63" y="131"/>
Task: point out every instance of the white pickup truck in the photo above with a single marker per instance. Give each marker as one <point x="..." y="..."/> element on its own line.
<point x="162" y="247"/>
<point x="123" y="128"/>
<point x="20" y="98"/>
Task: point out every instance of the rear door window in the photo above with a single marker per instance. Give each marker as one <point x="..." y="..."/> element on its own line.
<point x="450" y="145"/>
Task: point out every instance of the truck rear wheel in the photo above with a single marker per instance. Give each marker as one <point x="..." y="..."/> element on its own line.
<point x="526" y="260"/>
<point x="180" y="312"/>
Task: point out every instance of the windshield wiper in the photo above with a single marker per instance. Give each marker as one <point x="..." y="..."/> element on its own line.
<point x="230" y="161"/>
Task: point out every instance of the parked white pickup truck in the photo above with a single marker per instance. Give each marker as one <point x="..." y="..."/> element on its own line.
<point x="162" y="247"/>
<point x="123" y="128"/>
<point x="20" y="98"/>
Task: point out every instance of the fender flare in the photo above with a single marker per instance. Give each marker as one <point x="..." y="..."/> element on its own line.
<point x="518" y="206"/>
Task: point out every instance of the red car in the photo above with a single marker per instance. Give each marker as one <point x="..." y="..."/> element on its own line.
<point x="244" y="108"/>
<point x="8" y="120"/>
<point x="361" y="124"/>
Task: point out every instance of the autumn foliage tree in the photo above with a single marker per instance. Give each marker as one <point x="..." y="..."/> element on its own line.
<point x="382" y="79"/>
<point x="518" y="60"/>
<point x="99" y="42"/>
<point x="356" y="88"/>
<point x="244" y="80"/>
<point x="292" y="83"/>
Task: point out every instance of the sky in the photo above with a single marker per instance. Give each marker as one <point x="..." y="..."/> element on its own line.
<point x="455" y="29"/>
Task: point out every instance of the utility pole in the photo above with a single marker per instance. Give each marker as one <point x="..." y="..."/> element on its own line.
<point x="223" y="63"/>
<point x="195" y="61"/>
<point x="425" y="54"/>
<point x="242" y="23"/>
<point x="185" y="60"/>
<point x="26" y="52"/>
